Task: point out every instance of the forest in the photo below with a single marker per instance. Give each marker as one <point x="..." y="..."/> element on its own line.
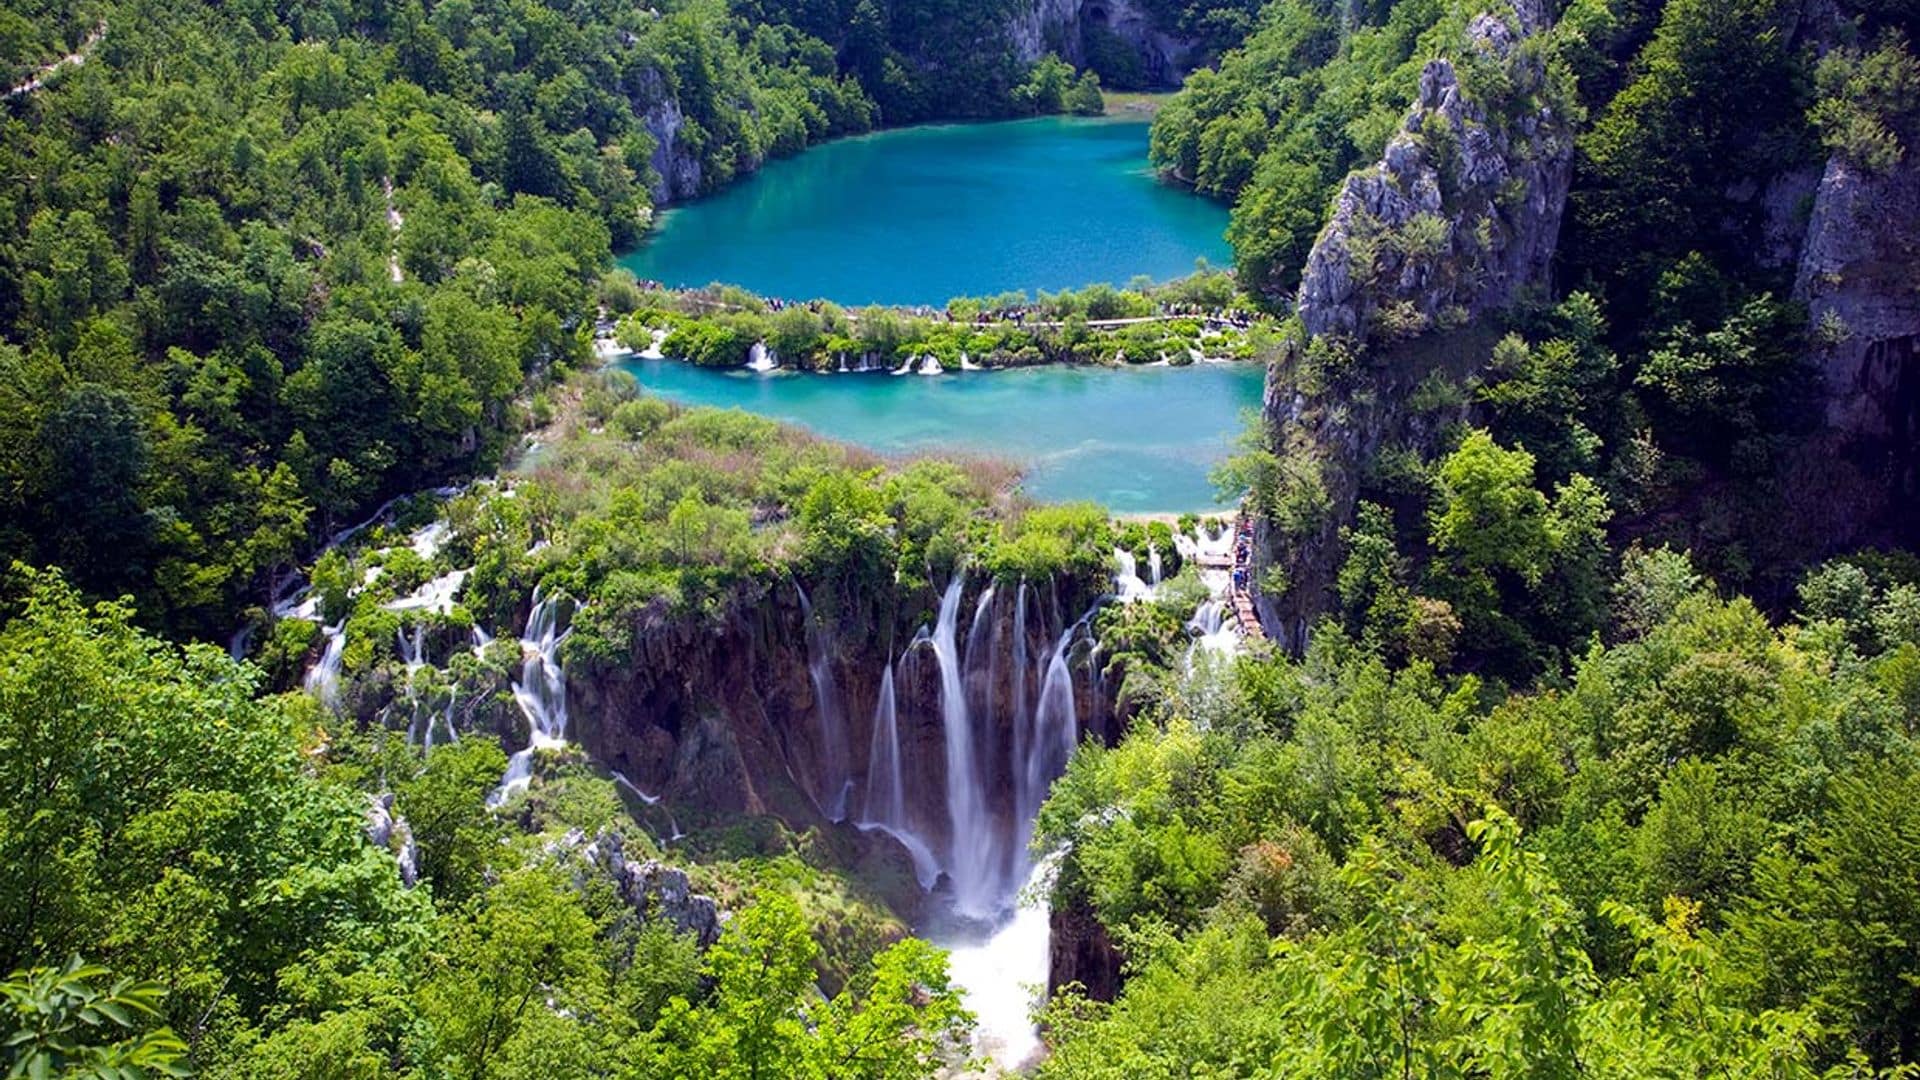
<point x="268" y="267"/>
<point x="1602" y="756"/>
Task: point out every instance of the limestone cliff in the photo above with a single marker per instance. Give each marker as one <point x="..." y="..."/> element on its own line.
<point x="1078" y="30"/>
<point x="1859" y="275"/>
<point x="677" y="172"/>
<point x="1457" y="220"/>
<point x="1458" y="217"/>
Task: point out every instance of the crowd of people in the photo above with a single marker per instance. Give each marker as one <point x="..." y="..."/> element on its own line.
<point x="1242" y="553"/>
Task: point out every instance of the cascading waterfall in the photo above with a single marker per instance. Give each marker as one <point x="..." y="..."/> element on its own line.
<point x="323" y="681"/>
<point x="986" y="853"/>
<point x="1021" y="718"/>
<point x="1126" y="579"/>
<point x="1153" y="566"/>
<point x="541" y="691"/>
<point x="835" y="782"/>
<point x="423" y="727"/>
<point x="410" y="650"/>
<point x="886" y="794"/>
<point x="673" y="826"/>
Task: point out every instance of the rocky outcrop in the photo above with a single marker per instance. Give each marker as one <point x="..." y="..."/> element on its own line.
<point x="651" y="889"/>
<point x="1458" y="217"/>
<point x="1079" y="30"/>
<point x="1039" y="27"/>
<point x="1859" y="276"/>
<point x="677" y="172"/>
<point x="389" y="831"/>
<point x="1457" y="220"/>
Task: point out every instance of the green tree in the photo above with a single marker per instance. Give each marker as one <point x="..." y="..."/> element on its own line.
<point x="524" y="948"/>
<point x="445" y="806"/>
<point x="78" y="1021"/>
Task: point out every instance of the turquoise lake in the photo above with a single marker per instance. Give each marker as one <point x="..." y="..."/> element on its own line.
<point x="921" y="215"/>
<point x="1136" y="440"/>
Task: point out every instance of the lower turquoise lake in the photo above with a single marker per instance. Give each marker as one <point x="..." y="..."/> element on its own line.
<point x="920" y="215"/>
<point x="1136" y="440"/>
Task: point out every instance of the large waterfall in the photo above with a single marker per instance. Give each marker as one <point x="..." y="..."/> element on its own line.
<point x="1008" y="715"/>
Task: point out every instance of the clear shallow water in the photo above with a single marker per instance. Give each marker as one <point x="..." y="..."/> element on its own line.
<point x="1136" y="440"/>
<point x="921" y="215"/>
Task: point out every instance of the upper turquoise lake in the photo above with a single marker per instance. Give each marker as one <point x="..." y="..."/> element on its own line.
<point x="921" y="215"/>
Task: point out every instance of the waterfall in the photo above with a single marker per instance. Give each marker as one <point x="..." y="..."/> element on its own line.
<point x="1153" y="565"/>
<point x="427" y="541"/>
<point x="409" y="650"/>
<point x="760" y="358"/>
<point x="323" y="681"/>
<point x="1002" y="976"/>
<point x="1021" y="720"/>
<point x="434" y="596"/>
<point x="1207" y="618"/>
<point x="886" y="797"/>
<point x="1003" y="746"/>
<point x="1126" y="579"/>
<point x="1212" y="625"/>
<point x="980" y="669"/>
<point x="886" y="807"/>
<point x="970" y="841"/>
<point x="673" y="826"/>
<point x="1056" y="728"/>
<point x="834" y="781"/>
<point x="541" y="691"/>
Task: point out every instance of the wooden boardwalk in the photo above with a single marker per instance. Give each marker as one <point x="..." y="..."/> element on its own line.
<point x="1238" y="563"/>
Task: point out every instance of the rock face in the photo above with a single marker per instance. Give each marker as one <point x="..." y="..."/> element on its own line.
<point x="1458" y="219"/>
<point x="1066" y="27"/>
<point x="677" y="173"/>
<point x="652" y="889"/>
<point x="1459" y="216"/>
<point x="389" y="830"/>
<point x="1080" y="951"/>
<point x="1859" y="276"/>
